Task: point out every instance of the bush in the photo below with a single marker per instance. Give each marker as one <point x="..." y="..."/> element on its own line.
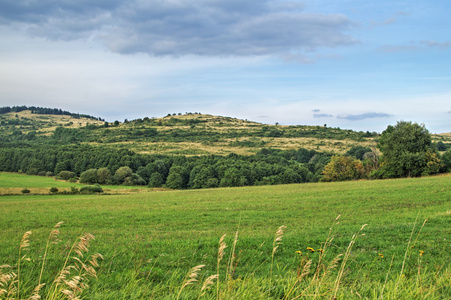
<point x="49" y="174"/>
<point x="53" y="190"/>
<point x="89" y="176"/>
<point x="25" y="191"/>
<point x="66" y="175"/>
<point x="91" y="189"/>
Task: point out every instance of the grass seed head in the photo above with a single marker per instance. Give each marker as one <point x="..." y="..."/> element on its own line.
<point x="222" y="246"/>
<point x="25" y="241"/>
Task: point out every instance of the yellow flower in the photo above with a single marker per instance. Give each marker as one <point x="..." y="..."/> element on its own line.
<point x="321" y="250"/>
<point x="381" y="255"/>
<point x="299" y="252"/>
<point x="421" y="252"/>
<point x="310" y="249"/>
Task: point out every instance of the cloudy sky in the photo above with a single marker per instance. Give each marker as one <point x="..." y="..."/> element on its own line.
<point x="355" y="64"/>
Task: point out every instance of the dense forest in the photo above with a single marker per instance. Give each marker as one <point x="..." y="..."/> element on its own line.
<point x="117" y="152"/>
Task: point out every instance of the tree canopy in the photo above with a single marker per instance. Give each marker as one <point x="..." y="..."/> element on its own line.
<point x="407" y="151"/>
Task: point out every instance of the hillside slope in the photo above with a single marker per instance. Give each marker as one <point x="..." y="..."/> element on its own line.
<point x="187" y="134"/>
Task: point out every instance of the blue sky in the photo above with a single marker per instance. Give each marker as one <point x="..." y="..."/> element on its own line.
<point x="354" y="64"/>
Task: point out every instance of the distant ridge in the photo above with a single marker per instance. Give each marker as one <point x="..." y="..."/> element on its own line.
<point x="45" y="111"/>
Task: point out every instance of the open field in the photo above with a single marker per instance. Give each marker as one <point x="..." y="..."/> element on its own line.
<point x="14" y="183"/>
<point x="151" y="239"/>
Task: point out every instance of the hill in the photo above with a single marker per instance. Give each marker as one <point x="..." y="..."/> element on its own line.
<point x="188" y="134"/>
<point x="190" y="150"/>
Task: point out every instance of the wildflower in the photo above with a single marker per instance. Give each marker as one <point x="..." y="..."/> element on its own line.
<point x="310" y="249"/>
<point x="381" y="255"/>
<point x="299" y="252"/>
<point x="421" y="252"/>
<point x="320" y="250"/>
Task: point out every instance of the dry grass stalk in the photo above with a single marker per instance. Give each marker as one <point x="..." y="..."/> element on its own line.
<point x="277" y="241"/>
<point x="230" y="268"/>
<point x="7" y="282"/>
<point x="52" y="239"/>
<point x="305" y="270"/>
<point x="24" y="246"/>
<point x="190" y="278"/>
<point x="35" y="295"/>
<point x="83" y="244"/>
<point x="10" y="282"/>
<point x="222" y="246"/>
<point x="207" y="284"/>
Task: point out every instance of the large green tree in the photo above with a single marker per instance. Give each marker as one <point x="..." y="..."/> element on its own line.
<point x="407" y="151"/>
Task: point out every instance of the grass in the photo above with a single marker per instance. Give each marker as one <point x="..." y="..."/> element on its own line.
<point x="14" y="183"/>
<point x="150" y="240"/>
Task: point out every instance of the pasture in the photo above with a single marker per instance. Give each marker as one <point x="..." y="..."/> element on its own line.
<point x="151" y="239"/>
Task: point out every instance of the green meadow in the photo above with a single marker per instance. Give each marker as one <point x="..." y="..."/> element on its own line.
<point x="151" y="239"/>
<point x="14" y="183"/>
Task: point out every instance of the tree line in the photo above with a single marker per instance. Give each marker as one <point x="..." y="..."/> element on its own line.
<point x="122" y="166"/>
<point x="45" y="111"/>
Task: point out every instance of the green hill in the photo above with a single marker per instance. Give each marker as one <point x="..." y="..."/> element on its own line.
<point x="190" y="150"/>
<point x="187" y="134"/>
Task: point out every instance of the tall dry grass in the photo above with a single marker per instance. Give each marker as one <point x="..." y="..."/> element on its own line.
<point x="71" y="279"/>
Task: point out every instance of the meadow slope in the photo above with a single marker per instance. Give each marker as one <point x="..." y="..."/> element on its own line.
<point x="153" y="237"/>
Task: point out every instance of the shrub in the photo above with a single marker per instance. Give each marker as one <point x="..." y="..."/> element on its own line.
<point x="91" y="189"/>
<point x="89" y="176"/>
<point x="66" y="175"/>
<point x="53" y="190"/>
<point x="25" y="191"/>
<point x="121" y="174"/>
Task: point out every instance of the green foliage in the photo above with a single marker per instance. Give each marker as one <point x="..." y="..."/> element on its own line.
<point x="156" y="180"/>
<point x="177" y="178"/>
<point x="407" y="149"/>
<point x="89" y="176"/>
<point x="358" y="152"/>
<point x="103" y="176"/>
<point x="25" y="191"/>
<point x="341" y="168"/>
<point x="53" y="190"/>
<point x="121" y="174"/>
<point x="66" y="175"/>
<point x="232" y="177"/>
<point x="446" y="159"/>
<point x="91" y="189"/>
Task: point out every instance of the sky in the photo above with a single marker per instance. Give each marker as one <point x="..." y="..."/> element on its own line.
<point x="353" y="64"/>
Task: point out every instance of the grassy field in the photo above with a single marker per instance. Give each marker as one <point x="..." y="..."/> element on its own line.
<point x="14" y="183"/>
<point x="151" y="239"/>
